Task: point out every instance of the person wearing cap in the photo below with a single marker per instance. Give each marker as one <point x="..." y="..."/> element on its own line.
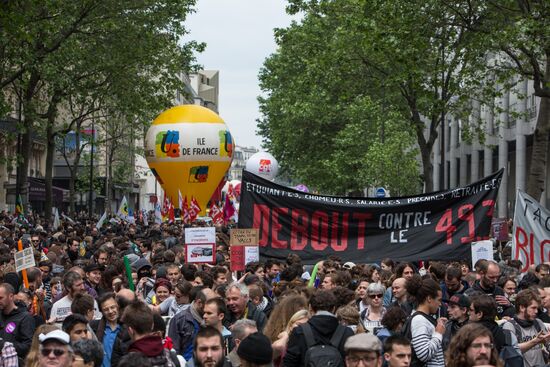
<point x="93" y="277"/>
<point x="365" y="348"/>
<point x="255" y="350"/>
<point x="457" y="308"/>
<point x="55" y="349"/>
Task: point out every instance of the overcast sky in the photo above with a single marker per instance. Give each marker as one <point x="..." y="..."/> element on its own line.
<point x="239" y="36"/>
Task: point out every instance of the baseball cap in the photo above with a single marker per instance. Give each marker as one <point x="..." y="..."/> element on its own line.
<point x="349" y="265"/>
<point x="363" y="342"/>
<point x="56" y="335"/>
<point x="91" y="267"/>
<point x="460" y="300"/>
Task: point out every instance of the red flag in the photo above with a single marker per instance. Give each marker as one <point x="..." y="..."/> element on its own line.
<point x="229" y="207"/>
<point x="185" y="211"/>
<point x="171" y="216"/>
<point x="216" y="214"/>
<point x="194" y="209"/>
<point x="165" y="207"/>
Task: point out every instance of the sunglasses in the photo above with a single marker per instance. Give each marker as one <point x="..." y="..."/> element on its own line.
<point x="56" y="352"/>
<point x="373" y="296"/>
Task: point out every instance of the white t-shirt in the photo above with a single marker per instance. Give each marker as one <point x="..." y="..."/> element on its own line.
<point x="62" y="308"/>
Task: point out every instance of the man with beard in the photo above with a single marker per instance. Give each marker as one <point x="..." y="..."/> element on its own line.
<point x="489" y="272"/>
<point x="208" y="349"/>
<point x="457" y="310"/>
<point x="531" y="332"/>
<point x="473" y="346"/>
<point x="73" y="283"/>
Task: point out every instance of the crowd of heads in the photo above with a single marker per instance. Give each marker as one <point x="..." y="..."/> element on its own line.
<point x="88" y="280"/>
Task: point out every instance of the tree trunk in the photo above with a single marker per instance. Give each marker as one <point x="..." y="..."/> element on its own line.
<point x="26" y="150"/>
<point x="50" y="150"/>
<point x="72" y="199"/>
<point x="427" y="168"/>
<point x="537" y="172"/>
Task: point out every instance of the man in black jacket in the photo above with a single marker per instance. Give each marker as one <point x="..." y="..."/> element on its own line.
<point x="16" y="323"/>
<point x="323" y="325"/>
<point x="489" y="272"/>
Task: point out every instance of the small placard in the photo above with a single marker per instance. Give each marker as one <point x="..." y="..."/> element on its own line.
<point x="244" y="237"/>
<point x="200" y="235"/>
<point x="482" y="250"/>
<point x="237" y="258"/>
<point x="204" y="253"/>
<point x="251" y="254"/>
<point x="24" y="259"/>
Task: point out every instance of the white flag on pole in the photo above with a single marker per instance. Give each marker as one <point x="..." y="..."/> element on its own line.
<point x="101" y="221"/>
<point x="56" y="221"/>
<point x="158" y="214"/>
<point x="123" y="209"/>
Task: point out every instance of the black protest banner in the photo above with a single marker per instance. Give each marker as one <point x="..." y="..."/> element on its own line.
<point x="435" y="226"/>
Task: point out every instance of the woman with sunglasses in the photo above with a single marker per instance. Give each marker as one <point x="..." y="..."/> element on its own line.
<point x="373" y="313"/>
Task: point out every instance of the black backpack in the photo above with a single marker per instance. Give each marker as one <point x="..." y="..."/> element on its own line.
<point x="165" y="359"/>
<point x="325" y="355"/>
<point x="508" y="353"/>
<point x="407" y="333"/>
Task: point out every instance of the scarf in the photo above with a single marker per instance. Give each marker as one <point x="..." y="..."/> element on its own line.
<point x="524" y="323"/>
<point x="262" y="305"/>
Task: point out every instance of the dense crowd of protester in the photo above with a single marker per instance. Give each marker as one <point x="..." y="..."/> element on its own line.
<point x="81" y="305"/>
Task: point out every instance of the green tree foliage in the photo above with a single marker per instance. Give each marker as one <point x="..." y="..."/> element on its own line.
<point x="515" y="37"/>
<point x="403" y="55"/>
<point x="66" y="60"/>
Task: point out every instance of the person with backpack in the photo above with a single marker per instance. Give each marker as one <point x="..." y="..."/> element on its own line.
<point x="139" y="320"/>
<point x="424" y="331"/>
<point x="531" y="333"/>
<point x="321" y="340"/>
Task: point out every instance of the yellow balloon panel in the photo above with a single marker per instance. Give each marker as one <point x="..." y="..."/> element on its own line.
<point x="193" y="179"/>
<point x="189" y="149"/>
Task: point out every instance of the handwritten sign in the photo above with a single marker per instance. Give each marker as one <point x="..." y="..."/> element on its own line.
<point x="243" y="247"/>
<point x="244" y="237"/>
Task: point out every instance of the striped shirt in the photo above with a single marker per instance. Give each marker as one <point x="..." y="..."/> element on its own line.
<point x="426" y="342"/>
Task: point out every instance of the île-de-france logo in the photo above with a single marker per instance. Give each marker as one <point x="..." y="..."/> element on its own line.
<point x="226" y="144"/>
<point x="198" y="174"/>
<point x="167" y="144"/>
<point x="265" y="166"/>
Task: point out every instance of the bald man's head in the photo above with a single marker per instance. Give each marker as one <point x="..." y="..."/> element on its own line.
<point x="398" y="289"/>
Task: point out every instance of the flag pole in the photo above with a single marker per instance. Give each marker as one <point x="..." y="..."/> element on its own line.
<point x="24" y="271"/>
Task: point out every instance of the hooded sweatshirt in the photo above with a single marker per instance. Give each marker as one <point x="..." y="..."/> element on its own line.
<point x="17" y="327"/>
<point x="150" y="346"/>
